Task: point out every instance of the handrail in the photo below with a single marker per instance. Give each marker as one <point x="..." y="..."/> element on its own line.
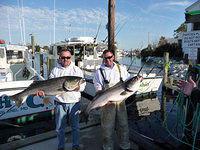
<point x="17" y="73"/>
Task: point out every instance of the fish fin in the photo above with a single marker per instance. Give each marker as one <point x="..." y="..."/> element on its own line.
<point x="34" y="83"/>
<point x="123" y="93"/>
<point x="18" y="99"/>
<point x="128" y="90"/>
<point x="60" y="89"/>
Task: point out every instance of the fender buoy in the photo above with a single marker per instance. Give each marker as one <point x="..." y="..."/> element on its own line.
<point x="2" y="41"/>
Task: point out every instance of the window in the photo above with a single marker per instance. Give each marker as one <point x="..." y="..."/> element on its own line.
<point x="197" y="26"/>
<point x="2" y="54"/>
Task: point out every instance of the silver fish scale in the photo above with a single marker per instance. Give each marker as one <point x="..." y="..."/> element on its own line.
<point x="70" y="85"/>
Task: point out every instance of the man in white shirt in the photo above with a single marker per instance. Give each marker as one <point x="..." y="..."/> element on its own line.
<point x="67" y="103"/>
<point x="112" y="113"/>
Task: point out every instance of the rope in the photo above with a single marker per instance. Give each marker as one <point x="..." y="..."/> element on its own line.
<point x="180" y="119"/>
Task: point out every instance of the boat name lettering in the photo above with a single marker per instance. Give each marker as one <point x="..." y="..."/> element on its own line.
<point x="6" y="103"/>
<point x="4" y="100"/>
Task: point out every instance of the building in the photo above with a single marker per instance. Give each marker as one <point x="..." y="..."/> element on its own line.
<point x="191" y="38"/>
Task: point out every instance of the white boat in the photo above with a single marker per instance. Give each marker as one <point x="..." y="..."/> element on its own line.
<point x="14" y="64"/>
<point x="83" y="50"/>
<point x="84" y="54"/>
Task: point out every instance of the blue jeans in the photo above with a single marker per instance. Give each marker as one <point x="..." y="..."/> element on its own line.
<point x="62" y="110"/>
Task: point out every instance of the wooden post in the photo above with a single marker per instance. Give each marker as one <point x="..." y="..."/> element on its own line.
<point x="48" y="69"/>
<point x="33" y="49"/>
<point x="111" y="25"/>
<point x="165" y="66"/>
<point x="41" y="65"/>
<point x="163" y="101"/>
<point x="163" y="105"/>
<point x="51" y="63"/>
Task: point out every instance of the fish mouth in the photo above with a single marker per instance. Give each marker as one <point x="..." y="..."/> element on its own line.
<point x="140" y="78"/>
<point x="82" y="81"/>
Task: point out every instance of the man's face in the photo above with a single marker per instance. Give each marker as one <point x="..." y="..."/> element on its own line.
<point x="108" y="59"/>
<point x="65" y="58"/>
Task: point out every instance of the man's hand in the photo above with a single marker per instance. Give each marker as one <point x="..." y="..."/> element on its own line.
<point x="77" y="88"/>
<point x="140" y="78"/>
<point x="41" y="93"/>
<point x="108" y="103"/>
<point x="185" y="86"/>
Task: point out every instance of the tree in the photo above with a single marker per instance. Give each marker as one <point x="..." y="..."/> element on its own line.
<point x="37" y="48"/>
<point x="181" y="28"/>
<point x="162" y="41"/>
<point x="46" y="47"/>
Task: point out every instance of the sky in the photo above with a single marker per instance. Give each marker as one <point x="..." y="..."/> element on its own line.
<point x="137" y="22"/>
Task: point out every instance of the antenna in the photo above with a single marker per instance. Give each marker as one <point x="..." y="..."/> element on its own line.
<point x="9" y="27"/>
<point x="20" y="24"/>
<point x="24" y="41"/>
<point x="54" y="22"/>
<point x="69" y="29"/>
<point x="97" y="31"/>
<point x="120" y="29"/>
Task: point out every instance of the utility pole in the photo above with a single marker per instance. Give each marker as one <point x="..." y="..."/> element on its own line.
<point x="111" y="26"/>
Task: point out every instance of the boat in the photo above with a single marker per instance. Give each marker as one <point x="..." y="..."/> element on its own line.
<point x="85" y="51"/>
<point x="16" y="74"/>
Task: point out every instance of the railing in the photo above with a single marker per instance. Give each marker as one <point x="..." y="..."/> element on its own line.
<point x="28" y="63"/>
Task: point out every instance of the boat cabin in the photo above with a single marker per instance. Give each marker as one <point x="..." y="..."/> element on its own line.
<point x="82" y="48"/>
<point x="10" y="55"/>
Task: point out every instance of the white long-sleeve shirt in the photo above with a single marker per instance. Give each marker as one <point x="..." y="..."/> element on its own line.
<point x="71" y="70"/>
<point x="111" y="74"/>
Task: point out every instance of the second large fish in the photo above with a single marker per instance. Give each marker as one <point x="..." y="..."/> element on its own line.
<point x="116" y="93"/>
<point x="54" y="86"/>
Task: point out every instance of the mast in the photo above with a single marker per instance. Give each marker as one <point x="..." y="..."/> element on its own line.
<point x="9" y="27"/>
<point x="54" y="23"/>
<point x="20" y="23"/>
<point x="23" y="23"/>
<point x="111" y="26"/>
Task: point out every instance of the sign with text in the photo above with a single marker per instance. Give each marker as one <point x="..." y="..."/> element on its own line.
<point x="191" y="39"/>
<point x="192" y="53"/>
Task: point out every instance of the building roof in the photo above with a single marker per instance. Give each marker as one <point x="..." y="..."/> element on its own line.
<point x="194" y="7"/>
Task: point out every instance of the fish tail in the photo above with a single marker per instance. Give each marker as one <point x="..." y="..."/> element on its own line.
<point x="18" y="99"/>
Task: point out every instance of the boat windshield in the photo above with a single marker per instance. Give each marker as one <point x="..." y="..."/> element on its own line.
<point x="2" y="54"/>
<point x="12" y="54"/>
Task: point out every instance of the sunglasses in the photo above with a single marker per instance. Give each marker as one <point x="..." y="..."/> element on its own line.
<point x="108" y="57"/>
<point x="65" y="57"/>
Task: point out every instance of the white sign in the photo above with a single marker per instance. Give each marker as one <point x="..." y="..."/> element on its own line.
<point x="191" y="39"/>
<point x="192" y="53"/>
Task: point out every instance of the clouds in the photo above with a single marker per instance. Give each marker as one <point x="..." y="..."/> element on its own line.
<point x="164" y="5"/>
<point x="41" y="19"/>
<point x="42" y="16"/>
<point x="140" y="17"/>
<point x="179" y="3"/>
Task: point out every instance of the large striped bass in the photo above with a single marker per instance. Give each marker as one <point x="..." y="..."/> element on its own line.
<point x="54" y="86"/>
<point x="116" y="93"/>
